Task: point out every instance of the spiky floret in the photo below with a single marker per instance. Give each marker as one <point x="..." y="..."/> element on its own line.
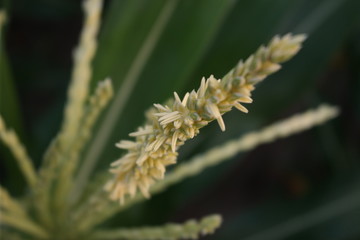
<point x="169" y="126"/>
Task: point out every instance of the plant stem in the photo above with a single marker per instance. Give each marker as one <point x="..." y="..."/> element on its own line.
<point x="295" y="124"/>
<point x="23" y="224"/>
<point x="121" y="98"/>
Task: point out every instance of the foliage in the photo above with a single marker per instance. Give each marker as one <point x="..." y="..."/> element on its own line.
<point x="175" y="43"/>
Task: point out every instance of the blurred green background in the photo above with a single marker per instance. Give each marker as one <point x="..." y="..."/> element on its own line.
<point x="303" y="187"/>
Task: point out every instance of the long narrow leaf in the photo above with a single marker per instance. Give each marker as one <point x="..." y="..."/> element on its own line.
<point x="193" y="34"/>
<point x="122" y="95"/>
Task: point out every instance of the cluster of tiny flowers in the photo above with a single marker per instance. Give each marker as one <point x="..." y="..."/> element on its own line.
<point x="169" y="126"/>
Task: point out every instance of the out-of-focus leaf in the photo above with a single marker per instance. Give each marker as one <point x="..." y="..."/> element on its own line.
<point x="285" y="220"/>
<point x="9" y="105"/>
<point x="128" y="26"/>
<point x="297" y="76"/>
<point x="9" y="110"/>
<point x="250" y="24"/>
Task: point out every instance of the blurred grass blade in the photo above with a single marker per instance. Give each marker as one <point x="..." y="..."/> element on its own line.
<point x="11" y="140"/>
<point x="23" y="225"/>
<point x="132" y="60"/>
<point x="212" y="157"/>
<point x="10" y="111"/>
<point x="318" y="16"/>
<point x="122" y="95"/>
<point x="9" y="106"/>
<point x="299" y="77"/>
<point x="330" y="210"/>
<point x="191" y="229"/>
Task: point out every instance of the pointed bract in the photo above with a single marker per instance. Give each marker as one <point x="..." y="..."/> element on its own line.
<point x="169" y="126"/>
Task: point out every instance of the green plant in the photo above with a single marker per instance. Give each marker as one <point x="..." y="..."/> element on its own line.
<point x="51" y="188"/>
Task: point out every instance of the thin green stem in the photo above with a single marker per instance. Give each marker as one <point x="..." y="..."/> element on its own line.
<point x="191" y="229"/>
<point x="11" y="140"/>
<point x="23" y="224"/>
<point x="9" y="204"/>
<point x="61" y="151"/>
<point x="295" y="124"/>
<point x="97" y="103"/>
<point x="121" y="98"/>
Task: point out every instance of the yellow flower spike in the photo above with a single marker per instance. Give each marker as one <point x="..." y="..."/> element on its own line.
<point x="169" y="126"/>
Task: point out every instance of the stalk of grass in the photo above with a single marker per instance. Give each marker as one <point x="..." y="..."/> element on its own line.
<point x="121" y="97"/>
<point x="97" y="209"/>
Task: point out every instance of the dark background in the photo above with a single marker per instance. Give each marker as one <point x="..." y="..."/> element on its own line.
<point x="306" y="182"/>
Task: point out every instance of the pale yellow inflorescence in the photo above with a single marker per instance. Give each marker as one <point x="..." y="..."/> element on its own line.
<point x="169" y="126"/>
